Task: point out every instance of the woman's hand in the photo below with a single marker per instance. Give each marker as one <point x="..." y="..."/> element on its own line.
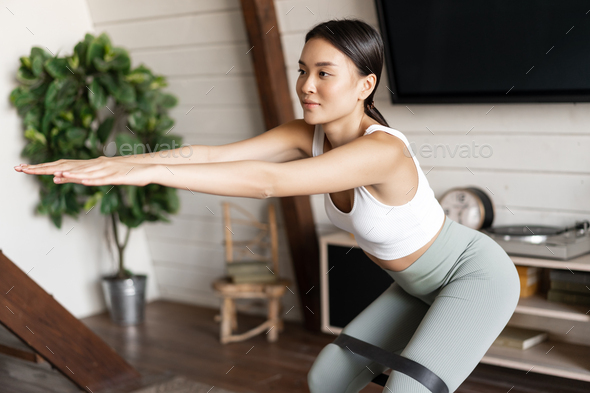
<point x="94" y="172"/>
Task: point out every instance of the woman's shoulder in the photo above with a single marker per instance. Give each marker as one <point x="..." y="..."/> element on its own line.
<point x="385" y="134"/>
<point x="375" y="127"/>
<point x="391" y="139"/>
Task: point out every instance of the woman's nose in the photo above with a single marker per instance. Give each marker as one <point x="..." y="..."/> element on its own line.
<point x="308" y="86"/>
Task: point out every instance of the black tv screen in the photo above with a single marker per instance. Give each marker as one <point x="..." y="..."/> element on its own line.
<point x="466" y="51"/>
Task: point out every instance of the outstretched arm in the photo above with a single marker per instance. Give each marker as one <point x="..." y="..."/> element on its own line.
<point x="234" y="178"/>
<point x="188" y="154"/>
<point x="279" y="144"/>
<point x="364" y="161"/>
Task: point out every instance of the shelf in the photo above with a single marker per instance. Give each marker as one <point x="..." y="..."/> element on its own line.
<point x="579" y="263"/>
<point x="538" y="305"/>
<point x="549" y="357"/>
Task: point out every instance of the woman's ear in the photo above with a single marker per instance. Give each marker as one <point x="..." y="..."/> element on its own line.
<point x="368" y="82"/>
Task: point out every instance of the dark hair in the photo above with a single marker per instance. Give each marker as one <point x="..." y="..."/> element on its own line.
<point x="362" y="44"/>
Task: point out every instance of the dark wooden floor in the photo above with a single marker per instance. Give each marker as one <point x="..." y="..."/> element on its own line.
<point x="181" y="339"/>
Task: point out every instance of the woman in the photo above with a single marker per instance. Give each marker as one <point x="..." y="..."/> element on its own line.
<point x="455" y="288"/>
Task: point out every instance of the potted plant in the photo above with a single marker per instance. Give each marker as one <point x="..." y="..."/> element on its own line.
<point x="83" y="106"/>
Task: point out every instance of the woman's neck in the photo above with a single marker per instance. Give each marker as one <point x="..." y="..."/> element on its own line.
<point x="341" y="131"/>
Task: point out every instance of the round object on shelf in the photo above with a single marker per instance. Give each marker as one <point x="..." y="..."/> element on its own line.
<point x="469" y="206"/>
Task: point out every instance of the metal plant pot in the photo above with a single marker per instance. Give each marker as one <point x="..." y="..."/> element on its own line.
<point x="125" y="298"/>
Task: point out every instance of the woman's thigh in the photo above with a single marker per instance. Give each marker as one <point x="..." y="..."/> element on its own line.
<point x="389" y="322"/>
<point x="465" y="318"/>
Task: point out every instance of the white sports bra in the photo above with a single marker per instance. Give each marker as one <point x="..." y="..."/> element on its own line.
<point x="387" y="232"/>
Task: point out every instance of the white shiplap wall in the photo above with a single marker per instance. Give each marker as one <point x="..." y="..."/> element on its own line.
<point x="539" y="171"/>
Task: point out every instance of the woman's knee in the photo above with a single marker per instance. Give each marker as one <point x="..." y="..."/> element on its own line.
<point x="321" y="373"/>
<point x="314" y="381"/>
<point x="336" y="370"/>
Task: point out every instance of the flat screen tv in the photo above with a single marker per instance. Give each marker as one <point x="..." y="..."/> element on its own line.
<point x="466" y="51"/>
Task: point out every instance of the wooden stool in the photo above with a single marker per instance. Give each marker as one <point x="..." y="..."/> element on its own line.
<point x="229" y="291"/>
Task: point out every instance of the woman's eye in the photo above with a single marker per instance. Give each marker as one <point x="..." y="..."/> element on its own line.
<point x="300" y="72"/>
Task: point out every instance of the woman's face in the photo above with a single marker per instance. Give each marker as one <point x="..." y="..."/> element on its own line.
<point x="329" y="78"/>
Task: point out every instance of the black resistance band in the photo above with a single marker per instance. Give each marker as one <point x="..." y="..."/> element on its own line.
<point x="393" y="361"/>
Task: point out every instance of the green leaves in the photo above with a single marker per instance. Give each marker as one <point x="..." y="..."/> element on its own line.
<point x="125" y="94"/>
<point x="96" y="49"/>
<point x="38" y="58"/>
<point x="129" y="144"/>
<point x="37" y="67"/>
<point x="26" y="76"/>
<point x="41" y="53"/>
<point x="118" y="59"/>
<point x="73" y="62"/>
<point x="137" y="120"/>
<point x="76" y="136"/>
<point x="61" y="94"/>
<point x="140" y="76"/>
<point x="85" y="114"/>
<point x="57" y="68"/>
<point x="26" y="62"/>
<point x="166" y="101"/>
<point x="23" y="99"/>
<point x="164" y="123"/>
<point x="31" y="70"/>
<point x="105" y="128"/>
<point x="62" y="100"/>
<point x="114" y="59"/>
<point x="33" y="117"/>
<point x="116" y="85"/>
<point x="110" y="202"/>
<point x="82" y="47"/>
<point x="35" y="136"/>
<point x="93" y="200"/>
<point x="96" y="95"/>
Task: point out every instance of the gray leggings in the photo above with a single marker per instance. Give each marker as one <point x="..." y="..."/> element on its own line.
<point x="444" y="311"/>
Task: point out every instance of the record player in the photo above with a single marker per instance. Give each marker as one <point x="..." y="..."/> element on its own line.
<point x="543" y="241"/>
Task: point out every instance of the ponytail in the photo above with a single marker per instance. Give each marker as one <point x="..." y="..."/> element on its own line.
<point x="374" y="113"/>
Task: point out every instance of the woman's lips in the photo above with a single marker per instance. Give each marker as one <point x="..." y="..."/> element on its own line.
<point x="310" y="106"/>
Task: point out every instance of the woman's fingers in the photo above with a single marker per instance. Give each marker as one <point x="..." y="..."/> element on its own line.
<point x="63" y="180"/>
<point x="79" y="177"/>
<point x="85" y="174"/>
<point x="39" y="171"/>
<point x="57" y="167"/>
<point x="41" y="165"/>
<point x="21" y="167"/>
<point x="46" y="169"/>
<point x="96" y="179"/>
<point x="98" y="171"/>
